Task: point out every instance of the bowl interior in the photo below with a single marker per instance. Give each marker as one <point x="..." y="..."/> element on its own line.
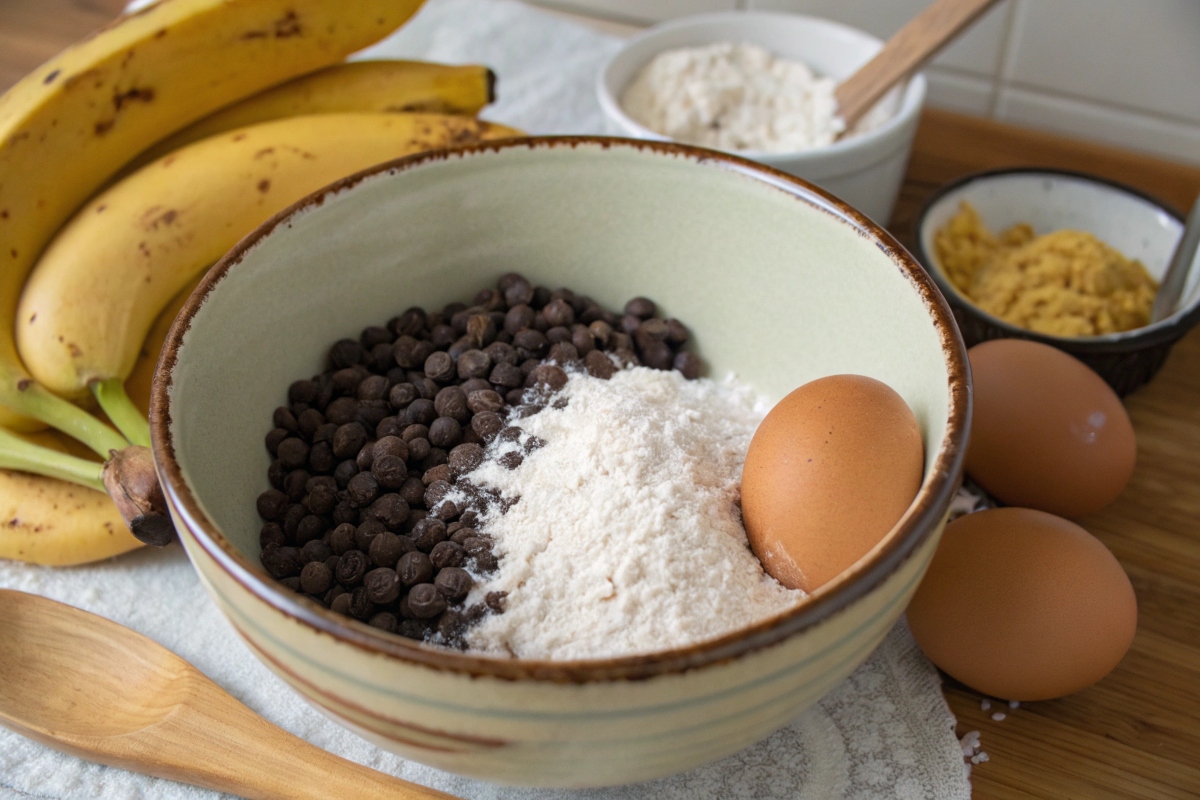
<point x="779" y="284"/>
<point x="1136" y="226"/>
<point x="830" y="48"/>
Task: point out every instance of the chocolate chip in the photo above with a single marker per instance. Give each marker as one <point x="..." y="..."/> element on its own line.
<point x="453" y="583"/>
<point x="345" y="353"/>
<point x="506" y="375"/>
<point x="465" y="458"/>
<point x="428" y="533"/>
<point x="452" y="402"/>
<point x="413" y="491"/>
<point x="445" y="432"/>
<point x="374" y="387"/>
<point x="387" y="548"/>
<point x="440" y="367"/>
<point x="315" y="578"/>
<point x="302" y="391"/>
<point x="599" y="365"/>
<point x="271" y="504"/>
<point x="361" y="606"/>
<point x="474" y="364"/>
<point x="385" y="621"/>
<point x="390" y="471"/>
<point x="310" y="527"/>
<point x="341" y="603"/>
<point x="293" y="453"/>
<point x="447" y="554"/>
<point x="530" y="343"/>
<point x="657" y="355"/>
<point x="563" y="353"/>
<point x="559" y="313"/>
<point x="362" y="489"/>
<point x="382" y="585"/>
<point x="410" y="323"/>
<point x="320" y="500"/>
<point x="400" y="395"/>
<point x="271" y="534"/>
<point x="640" y="307"/>
<point x="487" y="424"/>
<point x="342" y="538"/>
<point x="419" y="449"/>
<point x="421" y="412"/>
<point x="425" y="601"/>
<point x="549" y="377"/>
<point x="316" y="550"/>
<point x="688" y="363"/>
<point x="391" y="446"/>
<point x="281" y="562"/>
<point x="414" y="568"/>
<point x="352" y="565"/>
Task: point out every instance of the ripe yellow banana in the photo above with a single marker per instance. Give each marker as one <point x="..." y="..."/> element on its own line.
<point x="92" y="297"/>
<point x="53" y="522"/>
<point x="72" y="123"/>
<point x="50" y="521"/>
<point x="137" y="385"/>
<point x="381" y="86"/>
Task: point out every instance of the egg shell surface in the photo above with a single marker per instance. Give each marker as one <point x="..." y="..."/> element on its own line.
<point x="1047" y="432"/>
<point x="1023" y="605"/>
<point x="831" y="469"/>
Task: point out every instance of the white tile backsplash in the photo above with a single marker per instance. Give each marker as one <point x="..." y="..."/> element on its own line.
<point x="647" y="11"/>
<point x="976" y="50"/>
<point x="1167" y="138"/>
<point x="1123" y="72"/>
<point x="1137" y="54"/>
<point x="960" y="92"/>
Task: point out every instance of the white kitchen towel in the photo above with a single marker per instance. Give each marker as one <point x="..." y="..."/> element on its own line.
<point x="885" y="732"/>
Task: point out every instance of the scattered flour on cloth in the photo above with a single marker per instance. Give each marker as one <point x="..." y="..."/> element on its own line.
<point x="627" y="535"/>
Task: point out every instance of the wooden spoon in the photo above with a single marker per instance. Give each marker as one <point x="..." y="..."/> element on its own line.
<point x="95" y="689"/>
<point x="910" y="47"/>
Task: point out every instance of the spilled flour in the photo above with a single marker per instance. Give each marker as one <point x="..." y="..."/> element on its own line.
<point x="626" y="537"/>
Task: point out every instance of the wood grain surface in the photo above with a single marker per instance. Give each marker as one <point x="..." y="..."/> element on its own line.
<point x="1135" y="734"/>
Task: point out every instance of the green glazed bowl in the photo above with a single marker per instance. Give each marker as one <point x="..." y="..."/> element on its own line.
<point x="781" y="284"/>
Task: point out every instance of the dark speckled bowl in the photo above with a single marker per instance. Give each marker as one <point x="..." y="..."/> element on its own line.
<point x="1134" y="223"/>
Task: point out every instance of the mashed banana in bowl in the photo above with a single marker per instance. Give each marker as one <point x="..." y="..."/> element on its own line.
<point x="1065" y="283"/>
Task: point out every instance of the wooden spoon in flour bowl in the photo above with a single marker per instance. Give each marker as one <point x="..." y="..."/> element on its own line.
<point x="909" y="48"/>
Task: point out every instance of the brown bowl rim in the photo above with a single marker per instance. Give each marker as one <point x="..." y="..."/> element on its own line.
<point x="914" y="529"/>
<point x="1122" y="342"/>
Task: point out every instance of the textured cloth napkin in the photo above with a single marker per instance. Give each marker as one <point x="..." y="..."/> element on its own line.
<point x="884" y="732"/>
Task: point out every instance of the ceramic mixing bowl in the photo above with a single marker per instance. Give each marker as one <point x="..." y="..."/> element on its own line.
<point x="780" y="283"/>
<point x="866" y="170"/>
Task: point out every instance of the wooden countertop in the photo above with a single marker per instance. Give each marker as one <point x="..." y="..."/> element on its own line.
<point x="1135" y="734"/>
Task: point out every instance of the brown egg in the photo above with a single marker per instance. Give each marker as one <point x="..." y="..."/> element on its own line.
<point x="1023" y="605"/>
<point x="829" y="472"/>
<point x="1047" y="432"/>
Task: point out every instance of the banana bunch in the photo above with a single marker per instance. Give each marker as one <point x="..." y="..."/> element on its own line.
<point x="187" y="125"/>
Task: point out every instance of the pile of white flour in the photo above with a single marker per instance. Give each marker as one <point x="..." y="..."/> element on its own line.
<point x="736" y="96"/>
<point x="626" y="537"/>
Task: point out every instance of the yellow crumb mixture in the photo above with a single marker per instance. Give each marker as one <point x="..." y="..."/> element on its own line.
<point x="1066" y="283"/>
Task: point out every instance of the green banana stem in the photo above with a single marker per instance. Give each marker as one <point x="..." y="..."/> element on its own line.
<point x="16" y="453"/>
<point x="33" y="399"/>
<point x="111" y="396"/>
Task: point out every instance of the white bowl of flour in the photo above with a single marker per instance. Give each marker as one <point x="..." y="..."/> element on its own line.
<point x="760" y="59"/>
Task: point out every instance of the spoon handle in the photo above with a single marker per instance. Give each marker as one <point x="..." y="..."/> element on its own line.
<point x="213" y="741"/>
<point x="1177" y="271"/>
<point x="909" y="47"/>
